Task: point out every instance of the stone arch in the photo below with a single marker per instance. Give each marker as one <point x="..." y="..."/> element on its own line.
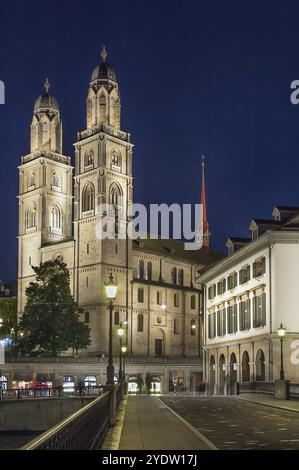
<point x="116" y="159"/>
<point x="102" y="96"/>
<point x="221" y="385"/>
<point x="212" y="375"/>
<point x="30" y="216"/>
<point x="55" y="217"/>
<point x="159" y="342"/>
<point x="245" y="367"/>
<point x="232" y="373"/>
<point x="260" y="373"/>
<point x="88" y="197"/>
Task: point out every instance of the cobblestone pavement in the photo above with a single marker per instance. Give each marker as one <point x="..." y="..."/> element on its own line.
<point x="234" y="424"/>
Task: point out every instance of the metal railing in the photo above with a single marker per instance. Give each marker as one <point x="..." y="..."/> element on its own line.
<point x="48" y="392"/>
<point x="83" y="430"/>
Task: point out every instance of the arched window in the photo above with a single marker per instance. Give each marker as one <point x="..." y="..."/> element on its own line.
<point x="32" y="179"/>
<point x="174" y="275"/>
<point x="193" y="302"/>
<point x="56" y="179"/>
<point x="176" y="300"/>
<point x="149" y="270"/>
<point x="102" y="107"/>
<point x="140" y="322"/>
<point x="181" y="277"/>
<point x="159" y="298"/>
<point x="86" y="317"/>
<point x="116" y="317"/>
<point x="141" y="269"/>
<point x="88" y="198"/>
<point x="115" y="159"/>
<point x="89" y="158"/>
<point x="115" y="195"/>
<point x="55" y="218"/>
<point x="30" y="217"/>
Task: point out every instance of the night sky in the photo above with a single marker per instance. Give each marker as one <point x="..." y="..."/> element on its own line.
<point x="196" y="77"/>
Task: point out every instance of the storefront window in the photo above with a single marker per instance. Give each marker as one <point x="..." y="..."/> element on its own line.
<point x="90" y="381"/>
<point x="3" y="382"/>
<point x="68" y="383"/>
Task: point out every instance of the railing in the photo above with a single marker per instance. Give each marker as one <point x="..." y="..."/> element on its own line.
<point x="83" y="430"/>
<point x="48" y="392"/>
<point x="119" y="394"/>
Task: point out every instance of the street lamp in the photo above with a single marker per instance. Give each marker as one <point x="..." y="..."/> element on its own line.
<point x="281" y="333"/>
<point x="163" y="306"/>
<point x="124" y="350"/>
<point x="111" y="290"/>
<point x="120" y="332"/>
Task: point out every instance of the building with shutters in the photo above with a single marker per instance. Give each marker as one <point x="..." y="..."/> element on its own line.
<point x="247" y="295"/>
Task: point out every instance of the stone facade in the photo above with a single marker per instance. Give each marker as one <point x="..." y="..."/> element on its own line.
<point x="160" y="302"/>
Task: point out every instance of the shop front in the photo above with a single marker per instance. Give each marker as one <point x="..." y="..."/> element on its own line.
<point x="4" y="382"/>
<point x="132" y="384"/>
<point x="156" y="384"/>
<point x="177" y="381"/>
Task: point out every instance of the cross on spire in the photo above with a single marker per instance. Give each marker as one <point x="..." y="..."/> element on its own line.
<point x="104" y="53"/>
<point x="47" y="85"/>
<point x="205" y="223"/>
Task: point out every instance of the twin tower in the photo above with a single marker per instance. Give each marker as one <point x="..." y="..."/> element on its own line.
<point x="57" y="209"/>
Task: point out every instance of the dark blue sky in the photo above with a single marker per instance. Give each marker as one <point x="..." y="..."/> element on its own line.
<point x="196" y="77"/>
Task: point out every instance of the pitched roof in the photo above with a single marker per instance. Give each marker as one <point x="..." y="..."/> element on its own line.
<point x="175" y="249"/>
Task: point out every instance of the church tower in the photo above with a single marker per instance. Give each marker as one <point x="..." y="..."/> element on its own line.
<point x="103" y="175"/>
<point x="45" y="190"/>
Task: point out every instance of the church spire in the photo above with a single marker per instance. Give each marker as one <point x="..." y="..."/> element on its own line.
<point x="205" y="224"/>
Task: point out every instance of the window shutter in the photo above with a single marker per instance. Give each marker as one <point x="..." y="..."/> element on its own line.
<point x="263" y="265"/>
<point x="235" y="279"/>
<point x="254" y="269"/>
<point x="263" y="309"/>
<point x="254" y="311"/>
<point x="248" y="272"/>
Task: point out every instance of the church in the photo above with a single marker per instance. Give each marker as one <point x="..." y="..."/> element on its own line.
<point x="159" y="297"/>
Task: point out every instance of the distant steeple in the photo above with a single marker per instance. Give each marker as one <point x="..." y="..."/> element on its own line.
<point x="205" y="224"/>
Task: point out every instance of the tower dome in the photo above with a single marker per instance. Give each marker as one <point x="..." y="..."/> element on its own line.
<point x="46" y="101"/>
<point x="103" y="71"/>
<point x="46" y="126"/>
<point x="103" y="98"/>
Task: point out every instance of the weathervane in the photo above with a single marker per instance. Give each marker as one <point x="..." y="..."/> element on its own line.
<point x="47" y="85"/>
<point x="104" y="54"/>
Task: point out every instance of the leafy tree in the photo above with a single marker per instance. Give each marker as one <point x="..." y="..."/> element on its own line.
<point x="8" y="314"/>
<point x="50" y="322"/>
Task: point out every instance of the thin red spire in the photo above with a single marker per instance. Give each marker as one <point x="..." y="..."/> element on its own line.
<point x="205" y="224"/>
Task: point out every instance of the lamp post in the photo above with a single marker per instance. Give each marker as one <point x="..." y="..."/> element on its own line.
<point x="120" y="332"/>
<point x="281" y="333"/>
<point x="111" y="290"/>
<point x="124" y="350"/>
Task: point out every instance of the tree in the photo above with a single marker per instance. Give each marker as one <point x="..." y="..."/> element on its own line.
<point x="51" y="319"/>
<point x="8" y="314"/>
